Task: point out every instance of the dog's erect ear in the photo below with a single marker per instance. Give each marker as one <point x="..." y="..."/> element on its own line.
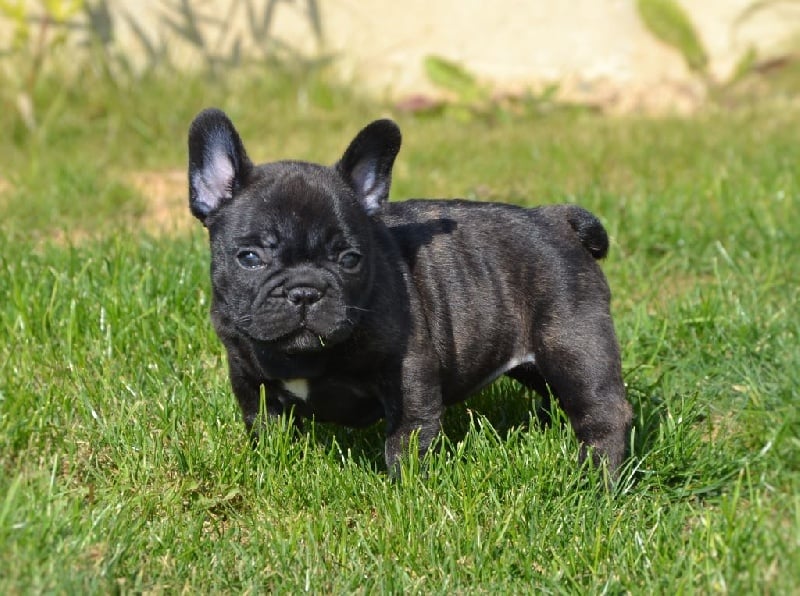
<point x="367" y="163"/>
<point x="218" y="163"/>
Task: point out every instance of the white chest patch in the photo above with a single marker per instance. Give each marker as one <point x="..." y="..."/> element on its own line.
<point x="297" y="387"/>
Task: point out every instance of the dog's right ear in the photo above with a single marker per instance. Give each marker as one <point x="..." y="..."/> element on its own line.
<point x="218" y="163"/>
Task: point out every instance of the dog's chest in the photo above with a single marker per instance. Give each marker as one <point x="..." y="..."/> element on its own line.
<point x="342" y="400"/>
<point x="297" y="388"/>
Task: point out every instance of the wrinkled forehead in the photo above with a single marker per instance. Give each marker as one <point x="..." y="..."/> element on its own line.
<point x="288" y="198"/>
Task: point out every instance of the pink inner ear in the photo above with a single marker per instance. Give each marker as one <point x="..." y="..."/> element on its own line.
<point x="372" y="201"/>
<point x="369" y="180"/>
<point x="363" y="175"/>
<point x="370" y="190"/>
<point x="213" y="183"/>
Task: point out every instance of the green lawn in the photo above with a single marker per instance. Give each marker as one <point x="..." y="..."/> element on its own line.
<point x="123" y="462"/>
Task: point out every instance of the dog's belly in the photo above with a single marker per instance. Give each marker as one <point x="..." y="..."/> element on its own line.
<point x="458" y="387"/>
<point x="500" y="371"/>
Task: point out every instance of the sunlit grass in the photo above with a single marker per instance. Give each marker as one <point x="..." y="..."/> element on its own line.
<point x="125" y="465"/>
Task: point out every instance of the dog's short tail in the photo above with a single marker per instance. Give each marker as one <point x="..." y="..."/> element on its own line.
<point x="590" y="231"/>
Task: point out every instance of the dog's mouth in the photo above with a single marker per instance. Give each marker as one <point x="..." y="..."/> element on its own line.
<point x="302" y="339"/>
<point x="308" y="318"/>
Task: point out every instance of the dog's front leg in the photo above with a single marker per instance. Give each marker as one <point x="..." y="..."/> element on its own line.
<point x="248" y="392"/>
<point x="413" y="407"/>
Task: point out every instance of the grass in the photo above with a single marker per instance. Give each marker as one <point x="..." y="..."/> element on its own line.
<point x="124" y="466"/>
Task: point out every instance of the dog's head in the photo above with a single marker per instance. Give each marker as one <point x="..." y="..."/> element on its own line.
<point x="292" y="246"/>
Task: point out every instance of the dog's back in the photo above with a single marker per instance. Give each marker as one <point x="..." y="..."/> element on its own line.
<point x="506" y="262"/>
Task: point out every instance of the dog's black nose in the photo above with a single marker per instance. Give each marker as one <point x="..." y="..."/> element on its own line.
<point x="303" y="295"/>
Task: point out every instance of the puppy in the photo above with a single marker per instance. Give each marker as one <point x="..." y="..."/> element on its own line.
<point x="350" y="309"/>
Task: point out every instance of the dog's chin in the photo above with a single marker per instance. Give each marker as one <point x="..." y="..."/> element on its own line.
<point x="305" y="341"/>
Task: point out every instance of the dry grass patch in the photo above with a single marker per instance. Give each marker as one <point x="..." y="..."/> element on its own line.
<point x="164" y="194"/>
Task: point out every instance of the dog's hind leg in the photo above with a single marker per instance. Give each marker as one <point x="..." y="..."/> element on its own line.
<point x="582" y="367"/>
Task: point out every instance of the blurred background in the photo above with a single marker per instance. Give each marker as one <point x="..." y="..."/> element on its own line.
<point x="116" y="83"/>
<point x="619" y="54"/>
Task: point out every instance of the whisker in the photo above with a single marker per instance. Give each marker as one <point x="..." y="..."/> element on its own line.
<point x="359" y="308"/>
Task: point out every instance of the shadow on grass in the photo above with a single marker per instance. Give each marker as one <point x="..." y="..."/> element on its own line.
<point x="669" y="447"/>
<point x="505" y="405"/>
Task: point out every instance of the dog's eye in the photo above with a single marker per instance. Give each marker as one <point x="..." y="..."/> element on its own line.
<point x="249" y="259"/>
<point x="349" y="259"/>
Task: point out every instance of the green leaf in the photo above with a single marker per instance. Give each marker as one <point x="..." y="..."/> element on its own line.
<point x="13" y="10"/>
<point x="452" y="77"/>
<point x="669" y="22"/>
<point x="745" y="65"/>
<point x="62" y="10"/>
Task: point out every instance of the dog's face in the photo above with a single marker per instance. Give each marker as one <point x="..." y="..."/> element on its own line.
<point x="291" y="242"/>
<point x="293" y="262"/>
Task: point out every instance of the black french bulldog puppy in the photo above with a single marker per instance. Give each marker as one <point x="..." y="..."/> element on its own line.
<point x="350" y="309"/>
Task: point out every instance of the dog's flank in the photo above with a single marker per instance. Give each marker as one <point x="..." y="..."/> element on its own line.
<point x="349" y="309"/>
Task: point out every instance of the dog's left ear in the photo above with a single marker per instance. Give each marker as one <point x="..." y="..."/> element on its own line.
<point x="367" y="163"/>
